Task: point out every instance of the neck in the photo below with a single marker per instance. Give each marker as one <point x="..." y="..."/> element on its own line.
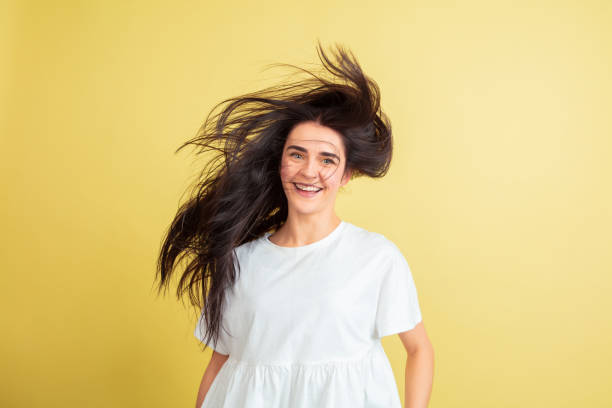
<point x="298" y="230"/>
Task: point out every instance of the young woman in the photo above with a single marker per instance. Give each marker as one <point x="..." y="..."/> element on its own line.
<point x="292" y="299"/>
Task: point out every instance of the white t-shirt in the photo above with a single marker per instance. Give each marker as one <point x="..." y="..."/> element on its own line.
<point x="304" y="323"/>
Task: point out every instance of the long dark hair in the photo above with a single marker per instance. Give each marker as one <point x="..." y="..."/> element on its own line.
<point x="239" y="195"/>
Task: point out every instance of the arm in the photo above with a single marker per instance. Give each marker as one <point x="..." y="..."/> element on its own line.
<point x="216" y="362"/>
<point x="419" y="367"/>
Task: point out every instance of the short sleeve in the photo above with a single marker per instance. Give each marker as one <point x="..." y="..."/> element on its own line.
<point x="222" y="344"/>
<point x="398" y="307"/>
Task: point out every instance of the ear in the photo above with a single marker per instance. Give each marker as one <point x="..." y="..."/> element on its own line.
<point x="346" y="177"/>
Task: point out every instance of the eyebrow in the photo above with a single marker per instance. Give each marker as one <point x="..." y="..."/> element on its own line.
<point x="301" y="149"/>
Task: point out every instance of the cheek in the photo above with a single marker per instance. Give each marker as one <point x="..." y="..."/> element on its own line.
<point x="286" y="170"/>
<point x="334" y="179"/>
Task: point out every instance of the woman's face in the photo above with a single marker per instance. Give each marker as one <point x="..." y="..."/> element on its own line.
<point x="313" y="158"/>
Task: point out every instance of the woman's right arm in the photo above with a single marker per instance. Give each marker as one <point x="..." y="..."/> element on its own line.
<point x="216" y="362"/>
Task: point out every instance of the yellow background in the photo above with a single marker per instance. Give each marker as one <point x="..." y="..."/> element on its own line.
<point x="499" y="194"/>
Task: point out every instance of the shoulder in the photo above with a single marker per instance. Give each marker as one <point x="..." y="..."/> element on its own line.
<point x="245" y="248"/>
<point x="371" y="242"/>
<point x="243" y="253"/>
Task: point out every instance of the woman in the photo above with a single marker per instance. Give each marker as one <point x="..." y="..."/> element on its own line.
<point x="294" y="300"/>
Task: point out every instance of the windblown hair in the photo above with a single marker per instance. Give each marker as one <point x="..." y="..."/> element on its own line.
<point x="239" y="195"/>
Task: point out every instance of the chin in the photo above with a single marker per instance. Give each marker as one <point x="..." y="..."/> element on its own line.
<point x="305" y="209"/>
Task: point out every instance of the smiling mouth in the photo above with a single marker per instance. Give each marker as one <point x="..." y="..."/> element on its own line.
<point x="307" y="188"/>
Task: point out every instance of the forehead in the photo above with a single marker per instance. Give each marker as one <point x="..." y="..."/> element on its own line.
<point x="315" y="137"/>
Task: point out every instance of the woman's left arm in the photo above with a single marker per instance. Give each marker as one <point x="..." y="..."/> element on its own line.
<point x="419" y="367"/>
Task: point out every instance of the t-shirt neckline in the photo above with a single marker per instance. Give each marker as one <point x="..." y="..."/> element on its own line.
<point x="328" y="238"/>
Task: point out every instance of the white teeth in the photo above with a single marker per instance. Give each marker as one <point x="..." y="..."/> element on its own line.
<point x="306" y="188"/>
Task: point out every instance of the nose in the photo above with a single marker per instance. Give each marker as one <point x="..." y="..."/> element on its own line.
<point x="310" y="168"/>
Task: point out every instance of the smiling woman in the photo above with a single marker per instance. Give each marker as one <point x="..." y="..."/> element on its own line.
<point x="294" y="300"/>
<point x="309" y="168"/>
